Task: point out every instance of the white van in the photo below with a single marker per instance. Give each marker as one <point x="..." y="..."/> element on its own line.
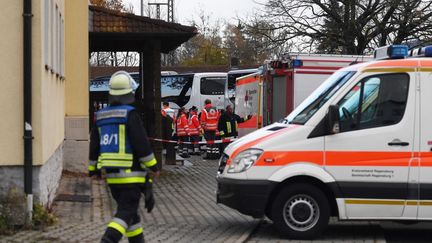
<point x="359" y="148"/>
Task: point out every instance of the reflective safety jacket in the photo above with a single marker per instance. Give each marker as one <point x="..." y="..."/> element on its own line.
<point x="119" y="146"/>
<point x="194" y="125"/>
<point x="115" y="148"/>
<point x="228" y="124"/>
<point x="182" y="126"/>
<point x="209" y="118"/>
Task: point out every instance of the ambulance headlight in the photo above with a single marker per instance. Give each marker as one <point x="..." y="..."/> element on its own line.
<point x="244" y="160"/>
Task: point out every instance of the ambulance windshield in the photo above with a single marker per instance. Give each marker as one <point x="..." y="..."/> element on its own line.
<point x="318" y="98"/>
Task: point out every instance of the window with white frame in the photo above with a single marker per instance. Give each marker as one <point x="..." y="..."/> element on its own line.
<point x="53" y="38"/>
<point x="62" y="49"/>
<point x="46" y="33"/>
<point x="52" y="42"/>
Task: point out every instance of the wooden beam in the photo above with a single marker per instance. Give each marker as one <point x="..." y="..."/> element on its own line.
<point x="152" y="93"/>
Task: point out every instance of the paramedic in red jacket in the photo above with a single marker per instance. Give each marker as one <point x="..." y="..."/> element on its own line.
<point x="194" y="130"/>
<point x="209" y="122"/>
<point x="183" y="132"/>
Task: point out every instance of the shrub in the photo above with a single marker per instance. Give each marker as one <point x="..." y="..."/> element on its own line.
<point x="13" y="214"/>
<point x="42" y="217"/>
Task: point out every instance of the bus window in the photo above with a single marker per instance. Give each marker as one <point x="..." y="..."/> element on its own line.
<point x="232" y="77"/>
<point x="213" y="85"/>
<point x="232" y="84"/>
<point x="176" y="89"/>
<point x="100" y="84"/>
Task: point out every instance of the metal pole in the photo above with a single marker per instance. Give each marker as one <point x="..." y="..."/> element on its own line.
<point x="158" y="12"/>
<point x="28" y="130"/>
<point x="171" y="11"/>
<point x="142" y="7"/>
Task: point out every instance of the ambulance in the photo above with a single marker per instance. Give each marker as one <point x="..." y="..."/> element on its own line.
<point x="358" y="148"/>
<point x="273" y="91"/>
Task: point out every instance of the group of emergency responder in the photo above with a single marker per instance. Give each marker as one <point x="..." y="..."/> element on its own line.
<point x="210" y="123"/>
<point x="121" y="153"/>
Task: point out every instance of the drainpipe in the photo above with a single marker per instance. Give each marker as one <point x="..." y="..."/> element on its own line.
<point x="28" y="136"/>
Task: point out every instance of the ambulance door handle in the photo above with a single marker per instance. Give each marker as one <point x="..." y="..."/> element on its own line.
<point x="397" y="142"/>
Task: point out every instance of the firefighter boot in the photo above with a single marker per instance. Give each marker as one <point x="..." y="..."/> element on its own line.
<point x="111" y="236"/>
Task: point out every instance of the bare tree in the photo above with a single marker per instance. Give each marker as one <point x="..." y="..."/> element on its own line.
<point x="116" y="59"/>
<point x="207" y="46"/>
<point x="117" y="5"/>
<point x="345" y="26"/>
<point x="241" y="41"/>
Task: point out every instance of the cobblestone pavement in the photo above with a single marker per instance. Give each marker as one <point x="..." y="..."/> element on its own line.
<point x="186" y="211"/>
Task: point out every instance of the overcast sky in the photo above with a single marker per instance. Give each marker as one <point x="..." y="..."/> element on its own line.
<point x="186" y="10"/>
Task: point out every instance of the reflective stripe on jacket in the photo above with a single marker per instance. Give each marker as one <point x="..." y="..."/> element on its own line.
<point x="182" y="125"/>
<point x="127" y="176"/>
<point x="194" y="125"/>
<point x="209" y="118"/>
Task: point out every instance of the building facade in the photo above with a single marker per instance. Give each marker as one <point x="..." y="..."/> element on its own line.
<point x="59" y="77"/>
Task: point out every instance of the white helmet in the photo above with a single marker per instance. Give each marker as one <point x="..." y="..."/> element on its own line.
<point x="121" y="83"/>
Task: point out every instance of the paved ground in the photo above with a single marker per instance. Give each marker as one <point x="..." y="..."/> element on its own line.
<point x="186" y="212"/>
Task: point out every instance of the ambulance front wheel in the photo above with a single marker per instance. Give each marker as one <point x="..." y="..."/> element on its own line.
<point x="301" y="211"/>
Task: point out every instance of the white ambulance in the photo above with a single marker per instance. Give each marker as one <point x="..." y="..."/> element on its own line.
<point x="359" y="148"/>
<point x="273" y="91"/>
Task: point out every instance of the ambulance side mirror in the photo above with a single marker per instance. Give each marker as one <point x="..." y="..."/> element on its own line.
<point x="333" y="119"/>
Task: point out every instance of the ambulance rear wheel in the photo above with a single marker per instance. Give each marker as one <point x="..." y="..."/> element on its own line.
<point x="301" y="211"/>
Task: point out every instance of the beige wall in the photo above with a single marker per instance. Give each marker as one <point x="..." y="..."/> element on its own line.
<point x="11" y="102"/>
<point x="77" y="58"/>
<point x="49" y="116"/>
<point x="48" y="89"/>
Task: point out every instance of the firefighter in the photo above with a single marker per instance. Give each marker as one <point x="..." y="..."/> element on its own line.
<point x="119" y="149"/>
<point x="182" y="132"/>
<point x="167" y="131"/>
<point x="228" y="125"/>
<point x="209" y="121"/>
<point x="194" y="130"/>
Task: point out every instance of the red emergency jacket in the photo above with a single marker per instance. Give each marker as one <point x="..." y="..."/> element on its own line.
<point x="209" y="118"/>
<point x="182" y="126"/>
<point x="194" y="125"/>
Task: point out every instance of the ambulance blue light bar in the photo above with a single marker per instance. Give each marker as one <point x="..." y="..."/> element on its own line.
<point x="391" y="52"/>
<point x="296" y="63"/>
<point x="422" y="52"/>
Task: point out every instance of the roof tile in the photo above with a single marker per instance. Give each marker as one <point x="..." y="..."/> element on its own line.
<point x="105" y="20"/>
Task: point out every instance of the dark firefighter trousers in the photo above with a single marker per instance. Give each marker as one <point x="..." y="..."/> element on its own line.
<point x="183" y="147"/>
<point x="126" y="221"/>
<point x="212" y="148"/>
<point x="195" y="147"/>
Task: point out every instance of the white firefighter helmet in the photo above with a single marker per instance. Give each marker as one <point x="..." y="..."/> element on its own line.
<point x="121" y="83"/>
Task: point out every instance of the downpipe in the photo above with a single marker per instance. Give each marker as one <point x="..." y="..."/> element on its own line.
<point x="27" y="85"/>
